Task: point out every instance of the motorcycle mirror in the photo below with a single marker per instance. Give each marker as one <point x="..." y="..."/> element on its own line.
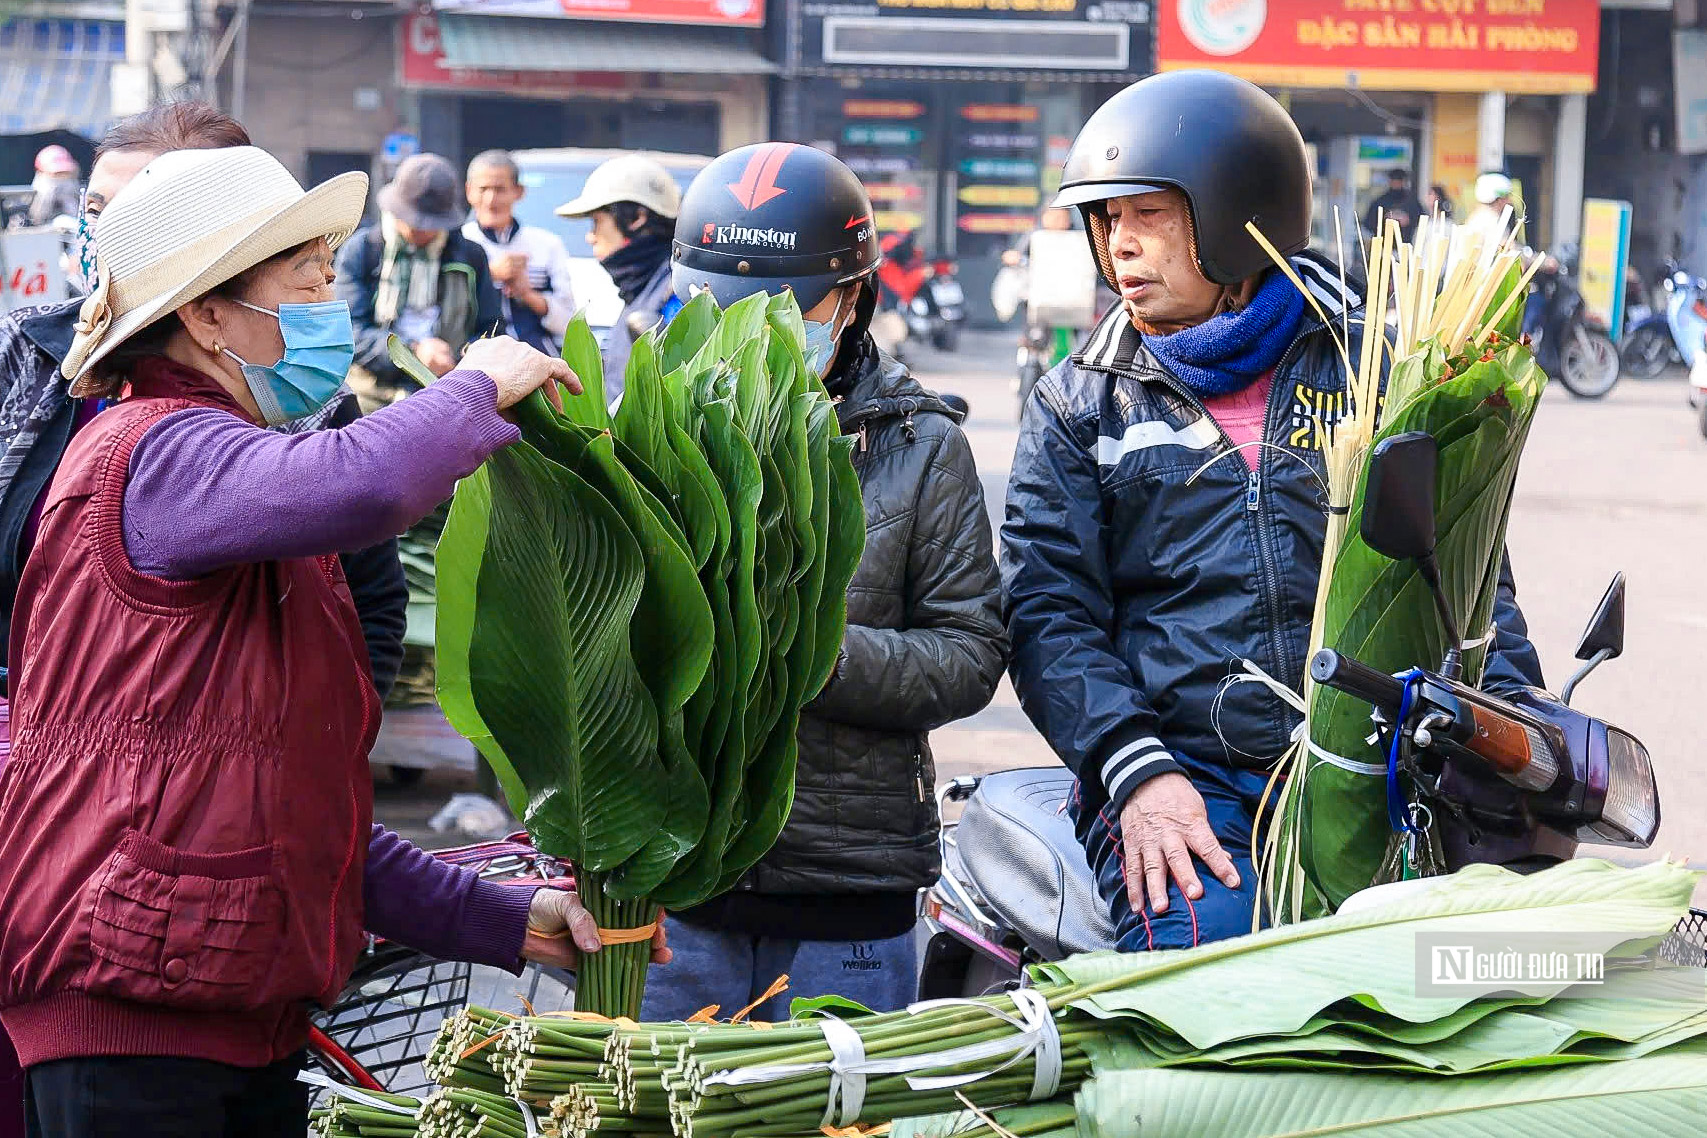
<point x="1398" y="497"/>
<point x="1605" y="632"/>
<point x="1398" y="521"/>
<point x="1603" y="640"/>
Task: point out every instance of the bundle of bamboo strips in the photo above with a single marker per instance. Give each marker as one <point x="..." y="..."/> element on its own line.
<point x="1448" y="291"/>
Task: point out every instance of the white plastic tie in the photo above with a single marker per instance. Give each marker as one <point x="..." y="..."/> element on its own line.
<point x="846" y="1099"/>
<point x="528" y="1119"/>
<point x="1035" y="1035"/>
<point x="354" y="1094"/>
<point x="1255" y="675"/>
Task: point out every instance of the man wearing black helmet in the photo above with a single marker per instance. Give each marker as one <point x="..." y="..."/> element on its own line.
<point x="1165" y="515"/>
<point x="833" y="903"/>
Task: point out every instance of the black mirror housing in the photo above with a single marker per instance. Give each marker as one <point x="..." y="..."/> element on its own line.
<point x="1605" y="632"/>
<point x="1398" y="497"/>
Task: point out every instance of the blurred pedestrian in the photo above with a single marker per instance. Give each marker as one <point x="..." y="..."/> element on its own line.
<point x="55" y="186"/>
<point x="414" y="274"/>
<point x="1398" y="203"/>
<point x="529" y="265"/>
<point x="1439" y="202"/>
<point x="633" y="203"/>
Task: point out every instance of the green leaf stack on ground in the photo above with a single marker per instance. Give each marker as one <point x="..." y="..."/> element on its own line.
<point x="632" y="610"/>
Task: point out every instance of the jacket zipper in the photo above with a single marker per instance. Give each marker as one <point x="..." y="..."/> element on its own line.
<point x="1253" y="504"/>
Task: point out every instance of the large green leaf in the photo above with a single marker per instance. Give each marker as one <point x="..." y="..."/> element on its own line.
<point x="1661" y="1096"/>
<point x="581" y="353"/>
<point x="736" y="465"/>
<point x="688" y="331"/>
<point x="1210" y="995"/>
<point x="550" y="670"/>
<point x="461" y="550"/>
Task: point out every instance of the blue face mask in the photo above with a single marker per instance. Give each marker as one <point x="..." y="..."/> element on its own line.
<point x="820" y="345"/>
<point x="320" y="345"/>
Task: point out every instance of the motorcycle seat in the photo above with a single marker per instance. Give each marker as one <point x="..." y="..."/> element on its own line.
<point x="1017" y="845"/>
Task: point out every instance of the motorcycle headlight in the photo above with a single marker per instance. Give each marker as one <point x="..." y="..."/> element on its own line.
<point x="1630" y="815"/>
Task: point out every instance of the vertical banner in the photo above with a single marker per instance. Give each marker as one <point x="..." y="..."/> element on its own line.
<point x="1689" y="78"/>
<point x="1605" y="256"/>
<point x="1457" y="130"/>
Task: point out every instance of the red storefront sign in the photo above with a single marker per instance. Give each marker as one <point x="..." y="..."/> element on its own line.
<point x="1531" y="46"/>
<point x="422" y="64"/>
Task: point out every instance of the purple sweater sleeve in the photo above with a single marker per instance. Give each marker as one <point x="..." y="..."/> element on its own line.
<point x="208" y="490"/>
<point x="440" y="909"/>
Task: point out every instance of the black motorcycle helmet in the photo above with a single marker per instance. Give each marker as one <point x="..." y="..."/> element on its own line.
<point x="1223" y="142"/>
<point x="774" y="216"/>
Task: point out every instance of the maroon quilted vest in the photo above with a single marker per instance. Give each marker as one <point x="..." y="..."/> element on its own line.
<point x="185" y="814"/>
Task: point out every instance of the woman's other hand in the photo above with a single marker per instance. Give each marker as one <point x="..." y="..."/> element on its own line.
<point x="519" y="370"/>
<point x="560" y="930"/>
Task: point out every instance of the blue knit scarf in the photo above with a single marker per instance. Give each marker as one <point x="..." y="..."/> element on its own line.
<point x="1229" y="352"/>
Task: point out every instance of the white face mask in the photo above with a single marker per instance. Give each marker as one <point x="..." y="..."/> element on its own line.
<point x="821" y="339"/>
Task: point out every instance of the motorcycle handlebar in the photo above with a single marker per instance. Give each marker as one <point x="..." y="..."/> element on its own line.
<point x="1342" y="673"/>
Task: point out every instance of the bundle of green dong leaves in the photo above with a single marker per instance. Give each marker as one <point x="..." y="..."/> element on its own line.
<point x="633" y="608"/>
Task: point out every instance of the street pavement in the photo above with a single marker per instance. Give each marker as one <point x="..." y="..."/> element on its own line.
<point x="1619" y="484"/>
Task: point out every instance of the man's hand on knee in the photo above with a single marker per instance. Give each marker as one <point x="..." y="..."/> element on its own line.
<point x="1162" y="825"/>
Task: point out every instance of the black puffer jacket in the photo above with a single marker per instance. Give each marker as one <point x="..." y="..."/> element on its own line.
<point x="924" y="647"/>
<point x="1138" y="572"/>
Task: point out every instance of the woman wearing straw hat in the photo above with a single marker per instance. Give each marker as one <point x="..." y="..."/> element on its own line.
<point x="187" y="801"/>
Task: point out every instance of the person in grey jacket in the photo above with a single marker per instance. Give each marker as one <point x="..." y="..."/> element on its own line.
<point x="834" y="902"/>
<point x="633" y="203"/>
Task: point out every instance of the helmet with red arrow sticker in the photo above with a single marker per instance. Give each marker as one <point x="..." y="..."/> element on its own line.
<point x="771" y="217"/>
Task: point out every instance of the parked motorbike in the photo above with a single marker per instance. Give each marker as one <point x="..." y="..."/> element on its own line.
<point x="1036" y="348"/>
<point x="1670" y="335"/>
<point x="937" y="311"/>
<point x="1570" y="345"/>
<point x="1516" y="781"/>
<point x="926" y="295"/>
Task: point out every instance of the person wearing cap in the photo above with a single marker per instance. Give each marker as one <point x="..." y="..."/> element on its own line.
<point x="191" y="707"/>
<point x="632" y="202"/>
<point x="54" y="188"/>
<point x="415" y="274"/>
<point x="1165" y="518"/>
<point x="530" y="265"/>
<point x="834" y="902"/>
<point x="1498" y="217"/>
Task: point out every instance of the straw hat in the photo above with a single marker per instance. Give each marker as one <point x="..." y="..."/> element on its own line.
<point x="190" y="221"/>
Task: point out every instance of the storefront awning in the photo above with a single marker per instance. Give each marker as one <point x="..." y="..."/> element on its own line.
<point x="508" y="43"/>
<point x="54" y="74"/>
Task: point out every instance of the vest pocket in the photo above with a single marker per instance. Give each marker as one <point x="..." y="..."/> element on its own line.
<point x="189" y="930"/>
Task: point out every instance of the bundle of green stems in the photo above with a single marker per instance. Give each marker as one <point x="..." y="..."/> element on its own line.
<point x="459" y="1112"/>
<point x="349" y="1118"/>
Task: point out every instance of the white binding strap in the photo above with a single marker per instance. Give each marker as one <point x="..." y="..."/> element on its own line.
<point x="528" y="1119"/>
<point x="354" y="1094"/>
<point x="1255" y="675"/>
<point x="842" y="1106"/>
<point x="1035" y="1036"/>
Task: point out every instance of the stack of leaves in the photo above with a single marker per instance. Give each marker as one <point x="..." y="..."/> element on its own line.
<point x="1454" y="369"/>
<point x="633" y="609"/>
<point x="1659" y="1096"/>
<point x="417" y="550"/>
<point x="1303" y="1000"/>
